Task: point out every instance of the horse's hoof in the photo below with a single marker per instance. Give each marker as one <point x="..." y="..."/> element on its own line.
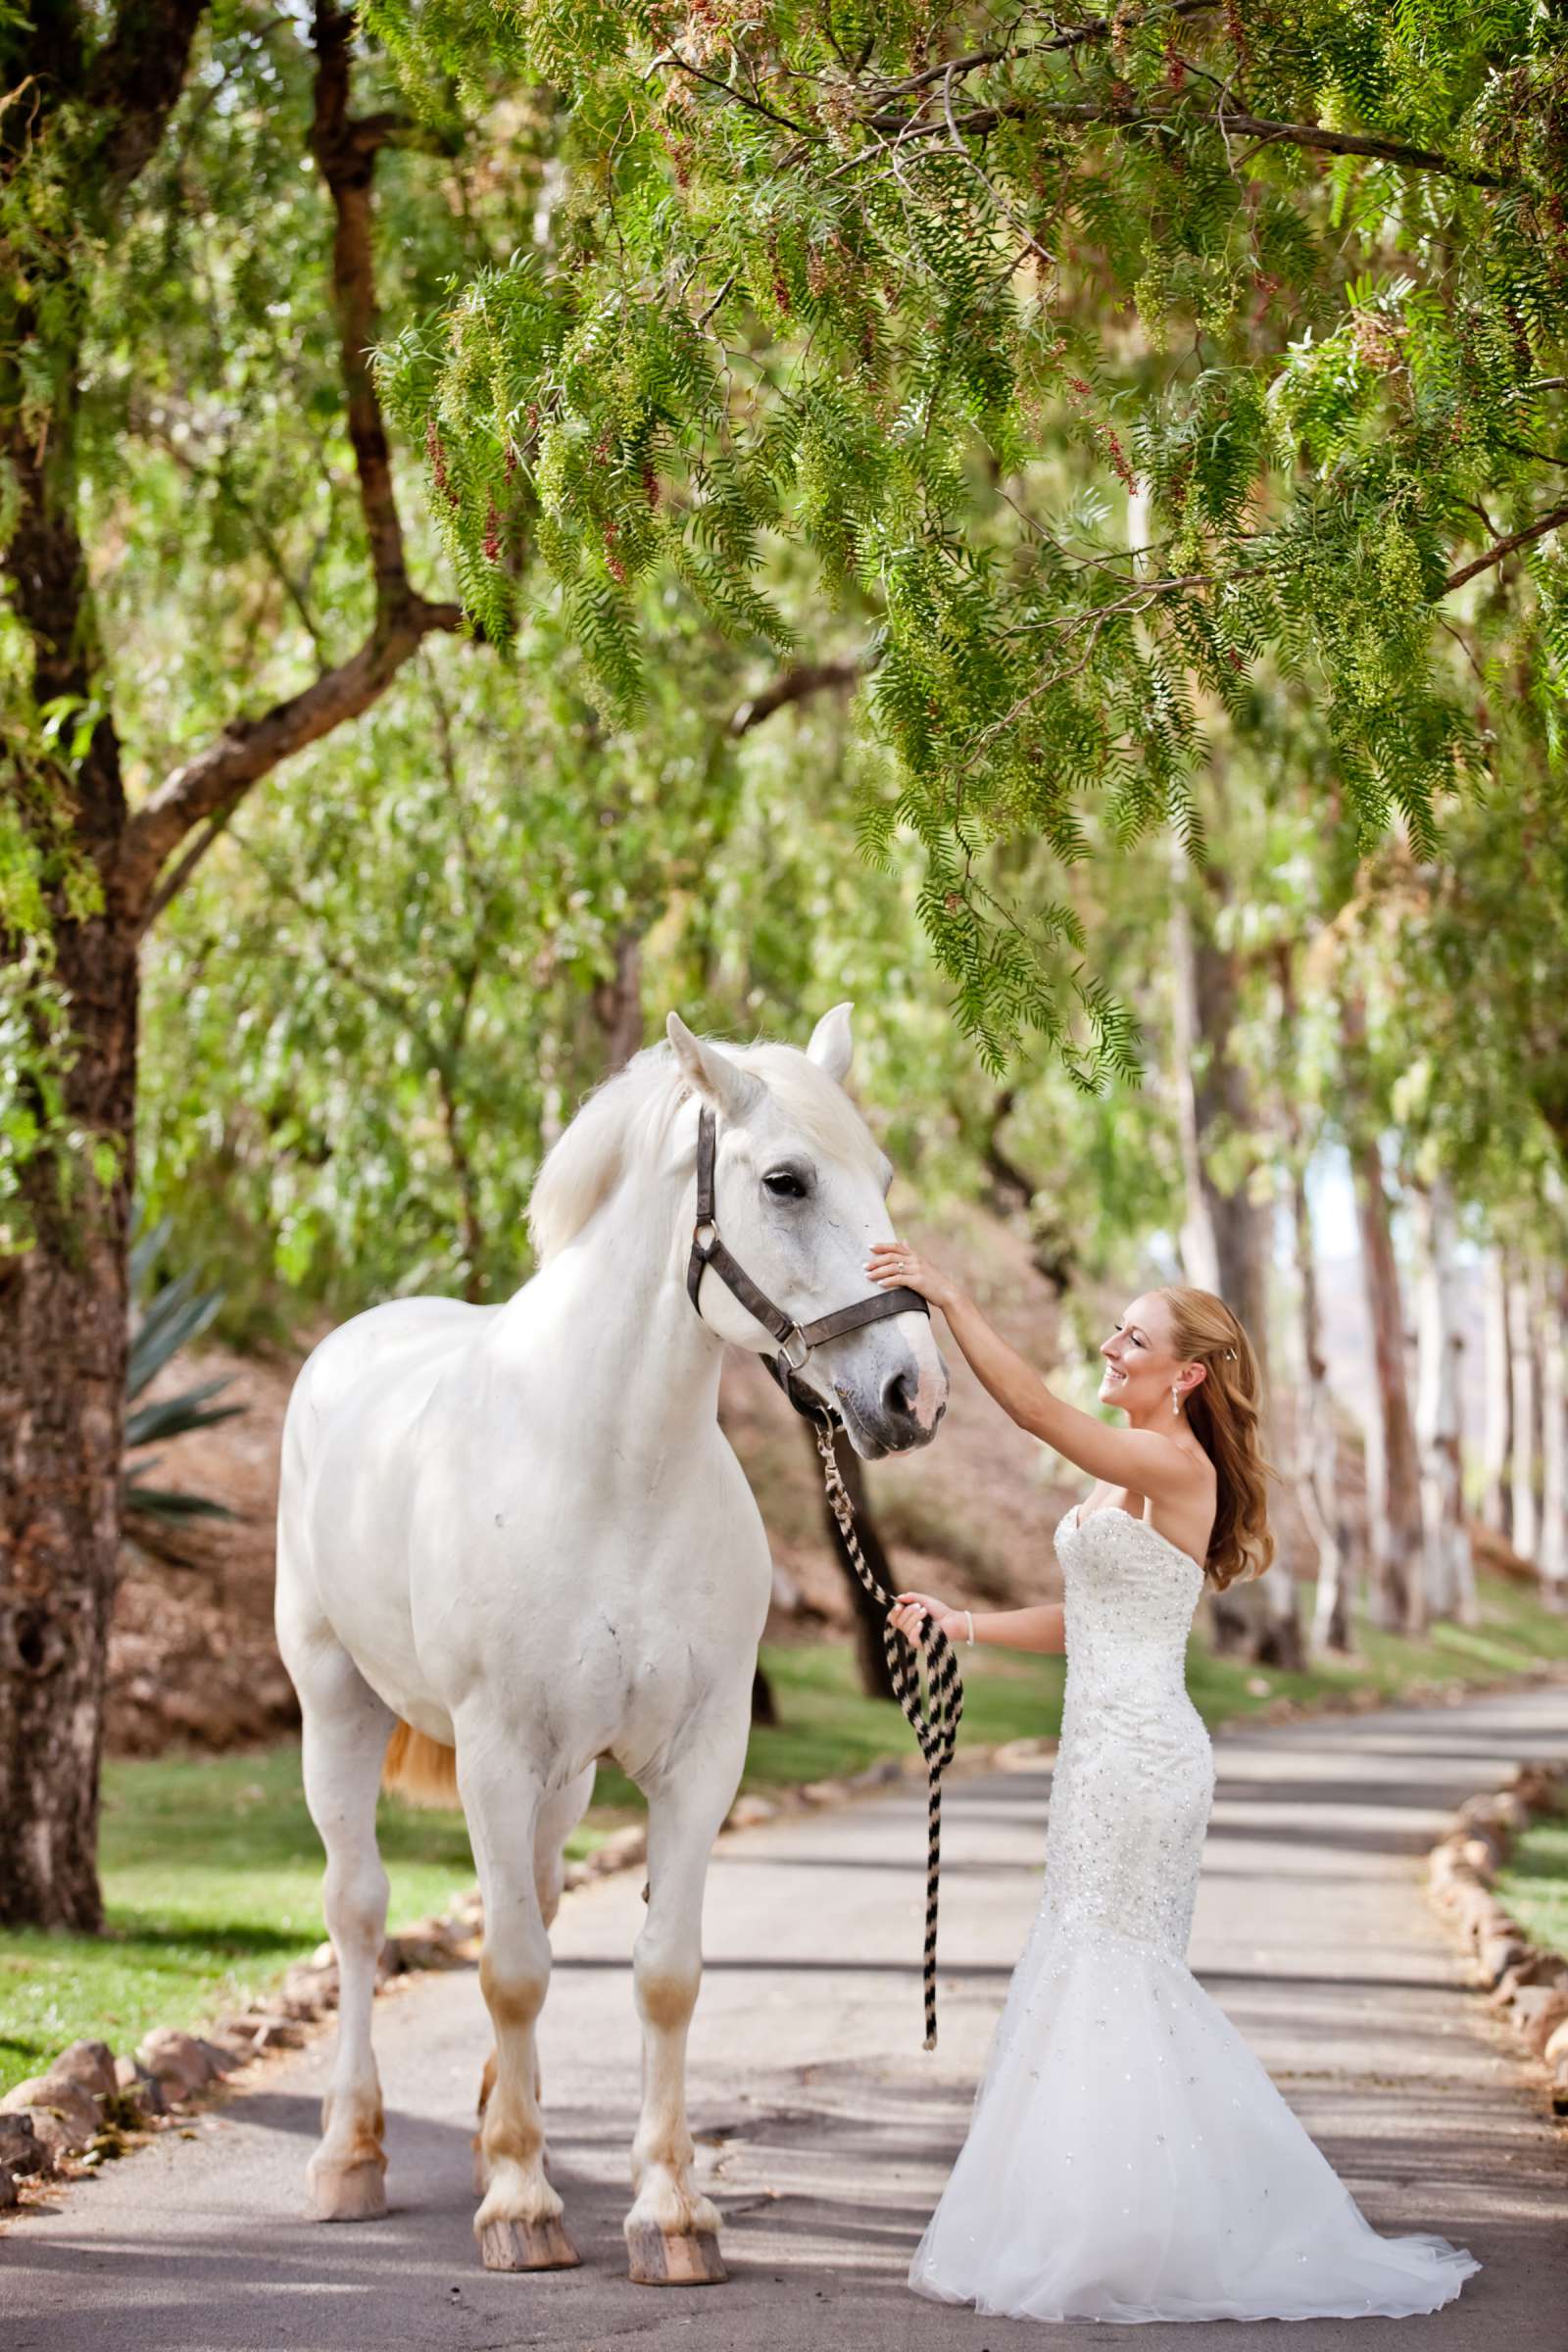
<point x="356" y="2194"/>
<point x="526" y="2246"/>
<point x="676" y="2259"/>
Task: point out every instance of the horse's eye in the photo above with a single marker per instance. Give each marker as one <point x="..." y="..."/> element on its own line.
<point x="785" y="1185"/>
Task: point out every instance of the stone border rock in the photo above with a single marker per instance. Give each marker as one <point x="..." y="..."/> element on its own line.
<point x="91" y="2106"/>
<point x="1525" y="1984"/>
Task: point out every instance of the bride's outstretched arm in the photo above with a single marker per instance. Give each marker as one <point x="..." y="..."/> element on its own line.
<point x="1041" y="1628"/>
<point x="1139" y="1459"/>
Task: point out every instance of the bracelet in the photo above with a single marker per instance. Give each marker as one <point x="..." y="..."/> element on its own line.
<point x="969" y="1620"/>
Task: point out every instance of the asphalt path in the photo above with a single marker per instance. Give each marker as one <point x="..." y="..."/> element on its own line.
<point x="824" y="2129"/>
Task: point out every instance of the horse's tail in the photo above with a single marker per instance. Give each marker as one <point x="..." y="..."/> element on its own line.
<point x="419" y="1768"/>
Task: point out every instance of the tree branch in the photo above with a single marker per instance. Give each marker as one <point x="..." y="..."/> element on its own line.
<point x="1072" y="36"/>
<point x="250" y="748"/>
<point x="1505" y="547"/>
<point x="209" y="786"/>
<point x="1349" y="142"/>
<point x="727" y="89"/>
<point x="793" y="686"/>
<point x="345" y="153"/>
<point x="1090" y="112"/>
<point x="135" y="79"/>
<point x="189" y="858"/>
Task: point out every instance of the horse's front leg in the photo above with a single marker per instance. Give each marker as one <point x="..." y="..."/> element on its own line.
<point x="518" y="2222"/>
<point x="558" y="1816"/>
<point x="673" y="2229"/>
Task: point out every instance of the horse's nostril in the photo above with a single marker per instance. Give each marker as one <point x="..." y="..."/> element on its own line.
<point x="899" y="1396"/>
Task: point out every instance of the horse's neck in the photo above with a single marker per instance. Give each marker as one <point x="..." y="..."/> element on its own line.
<point x="622" y="1335"/>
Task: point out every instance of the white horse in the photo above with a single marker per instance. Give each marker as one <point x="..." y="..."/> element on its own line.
<point x="520" y="1532"/>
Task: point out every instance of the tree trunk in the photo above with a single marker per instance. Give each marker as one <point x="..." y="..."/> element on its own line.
<point x="869" y="1615"/>
<point x="65" y="1333"/>
<point x="1449" y="1570"/>
<point x="1318" y="1480"/>
<point x="1496" y="1437"/>
<point x="617" y="1003"/>
<point x="1316" y="1441"/>
<point x="1522" y="1289"/>
<point x="1554" y="1443"/>
<point x="1227" y="1236"/>
<point x="1051" y="1251"/>
<point x="1393" y="1476"/>
<point x="63" y="1340"/>
<point x="65" y="1314"/>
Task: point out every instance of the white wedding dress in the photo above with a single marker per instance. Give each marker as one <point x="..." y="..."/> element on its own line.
<point x="1128" y="2157"/>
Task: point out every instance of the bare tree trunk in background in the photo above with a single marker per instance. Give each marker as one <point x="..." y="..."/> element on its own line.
<point x="1522" y="1298"/>
<point x="619" y="1004"/>
<point x="1196" y="1241"/>
<point x="1227" y="1236"/>
<point x="1315" y="1457"/>
<point x="473" y="1238"/>
<point x="1448" y="1566"/>
<point x="1316" y="1463"/>
<point x="1012" y="1195"/>
<point x="1393" y="1474"/>
<point x="1524" y="1290"/>
<point x="1497" y="1436"/>
<point x="1394" y="1493"/>
<point x="1553" y="1560"/>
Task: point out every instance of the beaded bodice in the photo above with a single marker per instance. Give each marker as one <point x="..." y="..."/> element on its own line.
<point x="1134" y="1772"/>
<point x="1130" y="1597"/>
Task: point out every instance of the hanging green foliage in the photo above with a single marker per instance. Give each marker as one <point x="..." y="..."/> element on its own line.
<point x="1290" y="278"/>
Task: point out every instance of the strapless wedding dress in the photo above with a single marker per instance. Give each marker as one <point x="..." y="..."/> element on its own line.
<point x="1128" y="2156"/>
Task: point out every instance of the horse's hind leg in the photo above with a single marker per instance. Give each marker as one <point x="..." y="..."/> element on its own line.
<point x="346" y="1733"/>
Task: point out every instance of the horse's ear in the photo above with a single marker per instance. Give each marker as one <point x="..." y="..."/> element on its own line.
<point x="711" y="1074"/>
<point x="831" y="1044"/>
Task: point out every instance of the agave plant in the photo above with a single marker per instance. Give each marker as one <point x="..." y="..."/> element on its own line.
<point x="173" y="1316"/>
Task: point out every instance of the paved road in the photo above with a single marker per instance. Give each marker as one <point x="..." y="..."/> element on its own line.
<point x="825" y="2129"/>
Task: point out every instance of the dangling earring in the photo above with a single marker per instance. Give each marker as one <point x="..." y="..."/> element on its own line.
<point x="1175" y="1401"/>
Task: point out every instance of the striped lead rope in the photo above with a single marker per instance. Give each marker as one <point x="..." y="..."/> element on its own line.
<point x="933" y="1706"/>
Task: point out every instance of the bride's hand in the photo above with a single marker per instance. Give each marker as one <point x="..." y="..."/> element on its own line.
<point x="911" y="1608"/>
<point x="896" y="1265"/>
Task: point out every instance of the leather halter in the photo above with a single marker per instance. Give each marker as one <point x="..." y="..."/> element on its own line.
<point x="733" y="1275"/>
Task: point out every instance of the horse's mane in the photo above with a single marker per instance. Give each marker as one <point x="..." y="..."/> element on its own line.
<point x="625" y="1121"/>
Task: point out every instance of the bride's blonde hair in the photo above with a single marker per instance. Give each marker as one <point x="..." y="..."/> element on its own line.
<point x="1223" y="1413"/>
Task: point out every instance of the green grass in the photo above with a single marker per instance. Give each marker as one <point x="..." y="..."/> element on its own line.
<point x="212" y="1869"/>
<point x="212" y="1875"/>
<point x="1535" y="1885"/>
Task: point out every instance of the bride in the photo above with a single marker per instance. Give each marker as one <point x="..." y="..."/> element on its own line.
<point x="1128" y="2157"/>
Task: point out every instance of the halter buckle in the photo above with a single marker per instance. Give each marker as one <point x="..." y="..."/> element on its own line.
<point x="794" y="1334"/>
<point x="702" y="1226"/>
